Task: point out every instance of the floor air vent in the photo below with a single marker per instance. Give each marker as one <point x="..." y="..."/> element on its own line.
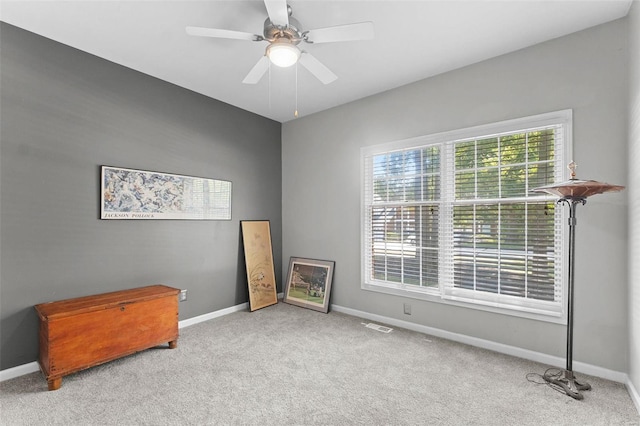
<point x="378" y="327"/>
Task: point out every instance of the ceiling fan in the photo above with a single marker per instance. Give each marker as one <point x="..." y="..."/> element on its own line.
<point x="284" y="34"/>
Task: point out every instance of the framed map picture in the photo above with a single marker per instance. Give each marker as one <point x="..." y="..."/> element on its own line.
<point x="258" y="256"/>
<point x="309" y="283"/>
<point x="140" y="194"/>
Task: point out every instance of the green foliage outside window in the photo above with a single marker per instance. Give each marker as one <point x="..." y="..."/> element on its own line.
<point x="502" y="243"/>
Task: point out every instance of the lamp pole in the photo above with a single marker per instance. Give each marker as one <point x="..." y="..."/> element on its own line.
<point x="567" y="380"/>
<point x="573" y="192"/>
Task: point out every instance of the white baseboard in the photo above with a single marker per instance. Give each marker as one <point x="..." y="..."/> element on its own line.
<point x="212" y="315"/>
<point x="216" y="314"/>
<point x="633" y="393"/>
<point x="555" y="361"/>
<point x="20" y="370"/>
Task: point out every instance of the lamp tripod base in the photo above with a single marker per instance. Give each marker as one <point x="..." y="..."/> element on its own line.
<point x="567" y="382"/>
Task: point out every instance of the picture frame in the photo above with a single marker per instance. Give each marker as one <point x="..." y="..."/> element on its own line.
<point x="258" y="255"/>
<point x="308" y="283"/>
<point x="143" y="195"/>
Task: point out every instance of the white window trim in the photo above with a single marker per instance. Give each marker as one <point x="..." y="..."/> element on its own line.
<point x="564" y="117"/>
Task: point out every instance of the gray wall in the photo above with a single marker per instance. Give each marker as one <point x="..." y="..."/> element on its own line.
<point x="634" y="194"/>
<point x="65" y="113"/>
<point x="586" y="72"/>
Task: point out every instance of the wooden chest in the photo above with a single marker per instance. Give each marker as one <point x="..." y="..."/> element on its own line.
<point x="80" y="333"/>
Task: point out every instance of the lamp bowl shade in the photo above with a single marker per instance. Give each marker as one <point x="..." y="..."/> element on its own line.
<point x="578" y="188"/>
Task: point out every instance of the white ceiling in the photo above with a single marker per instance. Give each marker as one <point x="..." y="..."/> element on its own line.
<point x="413" y="40"/>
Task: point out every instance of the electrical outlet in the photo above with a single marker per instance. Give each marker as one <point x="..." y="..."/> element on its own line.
<point x="183" y="295"/>
<point x="407" y="309"/>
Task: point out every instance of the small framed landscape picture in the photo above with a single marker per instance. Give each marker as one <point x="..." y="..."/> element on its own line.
<point x="309" y="283"/>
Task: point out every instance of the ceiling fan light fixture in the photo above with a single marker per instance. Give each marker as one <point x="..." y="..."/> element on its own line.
<point x="283" y="53"/>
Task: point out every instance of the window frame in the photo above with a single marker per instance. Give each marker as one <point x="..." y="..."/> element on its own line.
<point x="555" y="311"/>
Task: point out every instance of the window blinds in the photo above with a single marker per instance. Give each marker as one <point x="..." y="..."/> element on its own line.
<point x="455" y="218"/>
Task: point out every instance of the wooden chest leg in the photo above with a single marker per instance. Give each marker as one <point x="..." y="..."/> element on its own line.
<point x="54" y="384"/>
<point x="173" y="344"/>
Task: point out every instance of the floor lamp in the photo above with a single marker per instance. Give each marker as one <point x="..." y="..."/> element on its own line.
<point x="573" y="192"/>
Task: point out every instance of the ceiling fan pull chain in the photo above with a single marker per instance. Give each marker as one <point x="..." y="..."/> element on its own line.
<point x="295" y="114"/>
<point x="269" y="86"/>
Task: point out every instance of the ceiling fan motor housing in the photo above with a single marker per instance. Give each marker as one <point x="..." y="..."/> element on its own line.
<point x="292" y="31"/>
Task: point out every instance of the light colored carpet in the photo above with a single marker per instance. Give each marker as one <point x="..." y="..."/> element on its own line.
<point x="288" y="365"/>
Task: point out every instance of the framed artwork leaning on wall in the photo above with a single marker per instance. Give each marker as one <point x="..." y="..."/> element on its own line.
<point x="258" y="256"/>
<point x="309" y="283"/>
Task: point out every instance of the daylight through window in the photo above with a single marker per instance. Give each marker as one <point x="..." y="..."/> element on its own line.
<point x="451" y="217"/>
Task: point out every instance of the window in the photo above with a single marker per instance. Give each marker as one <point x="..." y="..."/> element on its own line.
<point x="450" y="217"/>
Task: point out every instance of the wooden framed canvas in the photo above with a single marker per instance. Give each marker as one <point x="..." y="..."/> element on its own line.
<point x="258" y="255"/>
<point x="309" y="283"/>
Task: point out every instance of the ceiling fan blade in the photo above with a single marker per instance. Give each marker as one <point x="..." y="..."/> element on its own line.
<point x="316" y="68"/>
<point x="215" y="32"/>
<point x="278" y="12"/>
<point x="349" y="32"/>
<point x="257" y="71"/>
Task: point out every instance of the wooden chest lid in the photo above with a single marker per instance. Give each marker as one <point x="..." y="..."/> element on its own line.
<point x="69" y="307"/>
